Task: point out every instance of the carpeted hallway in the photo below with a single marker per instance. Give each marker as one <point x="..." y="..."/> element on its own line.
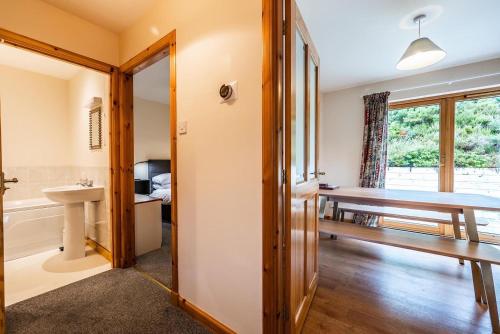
<point x="117" y="301"/>
<point x="158" y="263"/>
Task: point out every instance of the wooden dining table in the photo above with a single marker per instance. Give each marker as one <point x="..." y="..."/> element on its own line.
<point x="447" y="202"/>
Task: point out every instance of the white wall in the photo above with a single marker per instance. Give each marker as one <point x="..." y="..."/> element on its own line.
<point x="31" y="105"/>
<point x="39" y="20"/>
<point x="83" y="87"/>
<point x="151" y="130"/>
<point x="219" y="160"/>
<point x="342" y="118"/>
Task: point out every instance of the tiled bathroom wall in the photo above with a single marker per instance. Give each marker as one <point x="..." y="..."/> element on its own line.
<point x="32" y="180"/>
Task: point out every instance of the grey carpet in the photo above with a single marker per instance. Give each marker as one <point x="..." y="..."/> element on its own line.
<point x="117" y="301"/>
<point x="158" y="263"/>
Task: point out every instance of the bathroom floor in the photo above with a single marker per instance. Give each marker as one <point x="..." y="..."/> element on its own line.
<point x="36" y="274"/>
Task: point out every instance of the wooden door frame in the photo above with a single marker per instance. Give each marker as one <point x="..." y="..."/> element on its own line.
<point x="273" y="256"/>
<point x="115" y="170"/>
<point x="166" y="46"/>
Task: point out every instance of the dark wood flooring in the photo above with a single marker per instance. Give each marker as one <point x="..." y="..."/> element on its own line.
<point x="369" y="288"/>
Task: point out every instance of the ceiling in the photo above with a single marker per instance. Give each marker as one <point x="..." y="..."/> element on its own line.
<point x="113" y="15"/>
<point x="34" y="62"/>
<point x="360" y="41"/>
<point x="153" y="83"/>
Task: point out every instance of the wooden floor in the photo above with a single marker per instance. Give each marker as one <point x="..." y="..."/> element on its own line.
<point x="369" y="288"/>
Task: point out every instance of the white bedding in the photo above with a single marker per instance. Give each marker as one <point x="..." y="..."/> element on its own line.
<point x="162" y="179"/>
<point x="164" y="194"/>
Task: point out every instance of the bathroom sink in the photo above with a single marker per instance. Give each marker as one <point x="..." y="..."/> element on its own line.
<point x="73" y="198"/>
<point x="74" y="194"/>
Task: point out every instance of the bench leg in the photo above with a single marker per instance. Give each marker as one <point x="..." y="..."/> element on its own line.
<point x="342" y="215"/>
<point x="473" y="236"/>
<point x="477" y="279"/>
<point x="489" y="286"/>
<point x="456" y="231"/>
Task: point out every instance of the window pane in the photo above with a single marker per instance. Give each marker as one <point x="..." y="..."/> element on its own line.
<point x="477" y="153"/>
<point x="300" y="108"/>
<point x="413" y="148"/>
<point x="312" y="118"/>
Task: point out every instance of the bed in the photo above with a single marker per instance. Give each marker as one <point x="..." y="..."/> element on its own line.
<point x="156" y="168"/>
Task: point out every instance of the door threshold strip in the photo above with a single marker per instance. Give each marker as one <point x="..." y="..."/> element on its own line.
<point x="154" y="280"/>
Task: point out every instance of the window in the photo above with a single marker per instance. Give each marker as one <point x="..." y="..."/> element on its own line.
<point x="413" y="154"/>
<point x="477" y="155"/>
<point x="448" y="143"/>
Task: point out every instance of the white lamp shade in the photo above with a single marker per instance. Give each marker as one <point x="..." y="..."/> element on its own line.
<point x="422" y="52"/>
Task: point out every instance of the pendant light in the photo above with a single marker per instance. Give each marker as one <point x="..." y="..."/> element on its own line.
<point x="422" y="52"/>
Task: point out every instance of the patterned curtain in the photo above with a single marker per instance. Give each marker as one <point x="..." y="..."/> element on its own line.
<point x="374" y="155"/>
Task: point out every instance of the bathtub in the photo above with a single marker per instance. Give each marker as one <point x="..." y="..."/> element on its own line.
<point x="31" y="226"/>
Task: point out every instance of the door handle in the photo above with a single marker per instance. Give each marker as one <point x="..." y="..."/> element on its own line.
<point x="318" y="173"/>
<point x="3" y="181"/>
<point x="13" y="180"/>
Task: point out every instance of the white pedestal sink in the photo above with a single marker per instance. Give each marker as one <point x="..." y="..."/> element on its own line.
<point x="73" y="198"/>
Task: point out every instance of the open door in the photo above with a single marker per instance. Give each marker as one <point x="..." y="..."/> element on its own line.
<point x="2" y="278"/>
<point x="301" y="157"/>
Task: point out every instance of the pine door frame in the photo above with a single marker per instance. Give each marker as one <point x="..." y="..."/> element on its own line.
<point x="273" y="252"/>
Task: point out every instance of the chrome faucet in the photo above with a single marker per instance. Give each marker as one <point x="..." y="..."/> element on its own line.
<point x="85" y="183"/>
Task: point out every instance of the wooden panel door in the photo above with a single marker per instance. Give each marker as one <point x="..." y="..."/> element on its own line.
<point x="301" y="156"/>
<point x="2" y="276"/>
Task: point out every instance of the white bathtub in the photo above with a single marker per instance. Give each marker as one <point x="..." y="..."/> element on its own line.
<point x="31" y="226"/>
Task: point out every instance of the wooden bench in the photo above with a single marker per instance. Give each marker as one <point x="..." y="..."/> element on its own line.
<point x="400" y="213"/>
<point x="461" y="249"/>
<point x="408" y="214"/>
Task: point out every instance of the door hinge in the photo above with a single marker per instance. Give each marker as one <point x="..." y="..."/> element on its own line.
<point x="283" y="27"/>
<point x="284" y="176"/>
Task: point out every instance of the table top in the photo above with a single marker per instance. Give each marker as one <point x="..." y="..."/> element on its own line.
<point x="413" y="199"/>
<point x="139" y="199"/>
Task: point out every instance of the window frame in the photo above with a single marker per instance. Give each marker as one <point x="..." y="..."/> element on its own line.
<point x="447" y="104"/>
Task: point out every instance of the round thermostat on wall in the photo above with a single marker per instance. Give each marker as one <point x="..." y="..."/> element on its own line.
<point x="228" y="92"/>
<point x="225" y="92"/>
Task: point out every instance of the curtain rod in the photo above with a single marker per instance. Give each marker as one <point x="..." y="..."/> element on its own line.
<point x="450" y="82"/>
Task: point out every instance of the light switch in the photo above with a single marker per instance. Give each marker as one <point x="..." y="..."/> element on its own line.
<point x="183" y="128"/>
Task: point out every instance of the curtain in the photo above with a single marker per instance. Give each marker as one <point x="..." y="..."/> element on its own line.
<point x="374" y="154"/>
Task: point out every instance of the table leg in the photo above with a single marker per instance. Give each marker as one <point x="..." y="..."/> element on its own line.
<point x="322" y="206"/>
<point x="335" y="210"/>
<point x="456" y="230"/>
<point x="470" y="225"/>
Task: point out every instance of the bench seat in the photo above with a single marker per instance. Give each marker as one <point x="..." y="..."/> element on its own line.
<point x="401" y="213"/>
<point x="460" y="249"/>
